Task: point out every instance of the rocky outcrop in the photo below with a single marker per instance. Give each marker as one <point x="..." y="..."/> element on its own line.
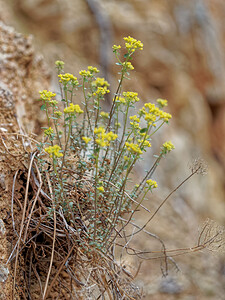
<point x="21" y="75"/>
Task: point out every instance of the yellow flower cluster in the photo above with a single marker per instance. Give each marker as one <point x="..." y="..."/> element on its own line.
<point x="152" y="112"/>
<point x="135" y="123"/>
<point x="48" y="131"/>
<point x="104" y="138"/>
<point x="93" y="69"/>
<point x="168" y="146"/>
<point x="126" y="158"/>
<point x="115" y="47"/>
<point x="152" y="184"/>
<point x="67" y="77"/>
<point x="73" y="108"/>
<point x="101" y="189"/>
<point x="101" y="91"/>
<point x="100" y="82"/>
<point x="162" y="102"/>
<point x="133" y="148"/>
<point x="89" y="73"/>
<point x="46" y="95"/>
<point x="54" y="150"/>
<point x="145" y="143"/>
<point x="120" y="100"/>
<point x="128" y="65"/>
<point x="104" y="114"/>
<point x="86" y="139"/>
<point x="60" y="64"/>
<point x="131" y="97"/>
<point x="132" y="44"/>
<point x="57" y="114"/>
<point x="85" y="73"/>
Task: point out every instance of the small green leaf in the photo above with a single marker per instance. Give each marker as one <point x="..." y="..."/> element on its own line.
<point x="143" y="130"/>
<point x="43" y="107"/>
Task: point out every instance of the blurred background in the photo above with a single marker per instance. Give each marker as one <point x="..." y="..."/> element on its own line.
<point x="183" y="61"/>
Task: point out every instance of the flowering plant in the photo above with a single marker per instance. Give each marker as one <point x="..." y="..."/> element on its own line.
<point x="105" y="152"/>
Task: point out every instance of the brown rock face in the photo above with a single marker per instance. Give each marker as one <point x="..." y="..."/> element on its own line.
<point x="20" y="80"/>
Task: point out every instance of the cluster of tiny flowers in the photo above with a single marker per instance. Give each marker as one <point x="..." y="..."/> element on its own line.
<point x="101" y="189"/>
<point x="101" y="86"/>
<point x="115" y="47"/>
<point x="152" y="184"/>
<point x="46" y="95"/>
<point x="101" y="91"/>
<point x="48" y="132"/>
<point x="145" y="143"/>
<point x="54" y="150"/>
<point x="104" y="138"/>
<point x="59" y="64"/>
<point x="67" y="77"/>
<point x="89" y="73"/>
<point x="133" y="44"/>
<point x="168" y="146"/>
<point x="93" y="69"/>
<point x="57" y="114"/>
<point x="120" y="100"/>
<point x="133" y="148"/>
<point x="86" y="139"/>
<point x="99" y="82"/>
<point x="128" y="65"/>
<point x="152" y="112"/>
<point x="162" y="102"/>
<point x="131" y="97"/>
<point x="104" y="114"/>
<point x="135" y="123"/>
<point x="73" y="108"/>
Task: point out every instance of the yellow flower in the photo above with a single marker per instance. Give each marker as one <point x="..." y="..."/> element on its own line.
<point x="131" y="96"/>
<point x="168" y="146"/>
<point x="152" y="184"/>
<point x="120" y="99"/>
<point x="135" y="118"/>
<point x="133" y="148"/>
<point x="100" y="82"/>
<point x="145" y="143"/>
<point x="128" y="65"/>
<point x="101" y="189"/>
<point x="132" y="44"/>
<point x="165" y="116"/>
<point x="73" y="108"/>
<point x="60" y="64"/>
<point x="101" y="91"/>
<point x="162" y="102"/>
<point x="93" y="69"/>
<point x="85" y="73"/>
<point x="115" y="47"/>
<point x="102" y="142"/>
<point x="99" y="130"/>
<point x="46" y="95"/>
<point x="54" y="150"/>
<point x="48" y="131"/>
<point x="110" y="136"/>
<point x="67" y="77"/>
<point x="86" y="139"/>
<point x="104" y="114"/>
<point x="57" y="114"/>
